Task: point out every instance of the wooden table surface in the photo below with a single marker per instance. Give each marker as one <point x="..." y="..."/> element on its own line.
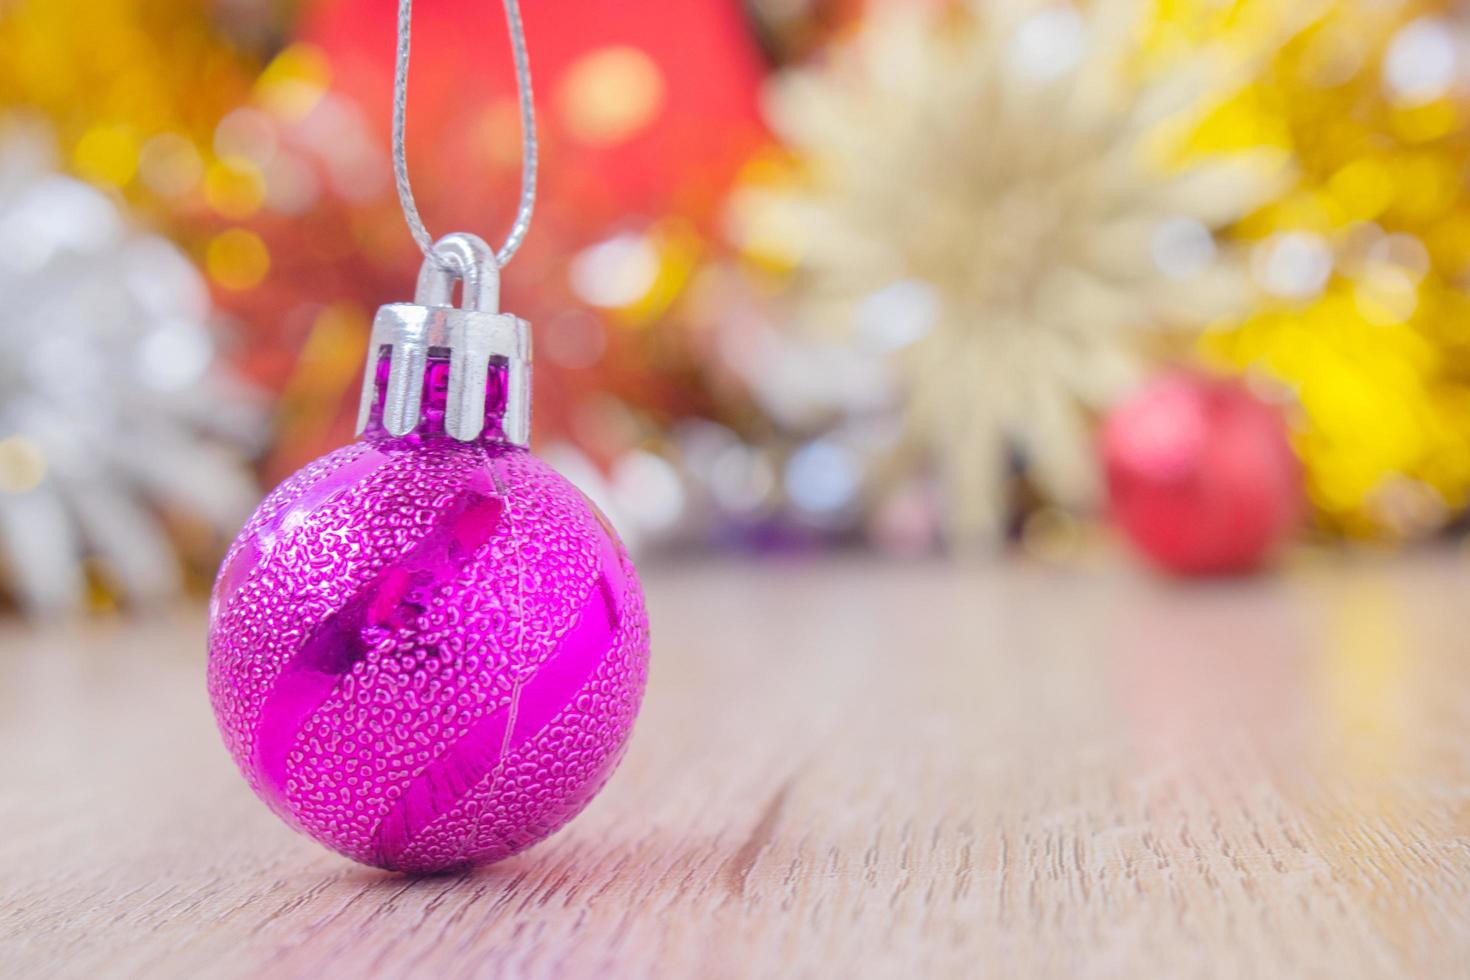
<point x="842" y="769"/>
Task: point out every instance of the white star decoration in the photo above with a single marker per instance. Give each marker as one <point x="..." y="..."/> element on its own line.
<point x="981" y="205"/>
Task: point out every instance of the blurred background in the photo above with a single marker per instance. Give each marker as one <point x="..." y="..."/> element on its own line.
<point x="1010" y="280"/>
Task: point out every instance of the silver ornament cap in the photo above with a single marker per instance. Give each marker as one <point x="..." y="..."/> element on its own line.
<point x="475" y="334"/>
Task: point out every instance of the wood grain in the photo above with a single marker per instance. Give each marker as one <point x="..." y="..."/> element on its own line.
<point x="842" y="770"/>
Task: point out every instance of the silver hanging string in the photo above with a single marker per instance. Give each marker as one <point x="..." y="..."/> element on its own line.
<point x="528" y="134"/>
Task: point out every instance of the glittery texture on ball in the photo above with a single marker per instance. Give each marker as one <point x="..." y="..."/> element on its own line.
<point x="1201" y="475"/>
<point x="426" y="654"/>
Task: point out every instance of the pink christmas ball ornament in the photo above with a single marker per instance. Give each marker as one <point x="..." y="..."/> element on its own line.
<point x="1201" y="475"/>
<point x="427" y="653"/>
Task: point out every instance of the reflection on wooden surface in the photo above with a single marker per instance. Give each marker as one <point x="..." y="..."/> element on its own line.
<point x="852" y="769"/>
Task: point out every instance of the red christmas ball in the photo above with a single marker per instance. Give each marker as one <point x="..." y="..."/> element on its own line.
<point x="1200" y="474"/>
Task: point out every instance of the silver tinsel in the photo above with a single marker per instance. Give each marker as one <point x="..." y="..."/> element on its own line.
<point x="113" y="409"/>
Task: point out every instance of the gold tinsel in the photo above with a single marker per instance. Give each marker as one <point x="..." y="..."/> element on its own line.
<point x="1366" y="257"/>
<point x="133" y="89"/>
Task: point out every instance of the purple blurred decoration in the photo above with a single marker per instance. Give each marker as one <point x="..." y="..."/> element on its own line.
<point x="425" y="653"/>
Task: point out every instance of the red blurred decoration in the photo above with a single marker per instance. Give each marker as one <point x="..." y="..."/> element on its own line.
<point x="463" y="137"/>
<point x="646" y="111"/>
<point x="1201" y="476"/>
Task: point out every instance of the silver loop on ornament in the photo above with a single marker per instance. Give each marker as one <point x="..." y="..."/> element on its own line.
<point x="527" y="203"/>
<point x="465" y="258"/>
<point x="475" y="334"/>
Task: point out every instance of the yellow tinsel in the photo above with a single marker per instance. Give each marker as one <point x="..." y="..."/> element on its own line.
<point x="133" y="89"/>
<point x="1378" y="352"/>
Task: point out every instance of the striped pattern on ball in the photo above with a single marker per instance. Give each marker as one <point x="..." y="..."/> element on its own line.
<point x="427" y="654"/>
